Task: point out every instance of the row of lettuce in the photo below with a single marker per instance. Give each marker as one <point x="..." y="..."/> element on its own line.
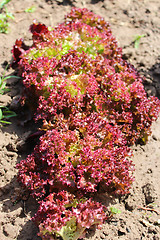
<point x="93" y="107"/>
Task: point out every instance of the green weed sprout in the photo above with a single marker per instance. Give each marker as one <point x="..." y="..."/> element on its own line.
<point x="3" y="79"/>
<point x="30" y="9"/>
<point x="3" y="3"/>
<point x="136" y="40"/>
<point x="5" y="16"/>
<point x="114" y="210"/>
<point x="5" y="113"/>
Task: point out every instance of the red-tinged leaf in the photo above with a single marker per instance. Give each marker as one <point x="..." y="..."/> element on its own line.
<point x="38" y="28"/>
<point x="18" y="49"/>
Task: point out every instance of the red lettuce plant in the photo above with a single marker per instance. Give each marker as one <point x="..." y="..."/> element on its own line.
<point x="64" y="215"/>
<point x="93" y="106"/>
<point x="63" y="160"/>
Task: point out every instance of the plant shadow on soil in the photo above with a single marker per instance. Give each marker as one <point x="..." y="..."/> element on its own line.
<point x="23" y="209"/>
<point x="152" y="79"/>
<point x="17" y="204"/>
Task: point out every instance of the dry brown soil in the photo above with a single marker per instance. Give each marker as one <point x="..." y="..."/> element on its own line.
<point x="140" y="210"/>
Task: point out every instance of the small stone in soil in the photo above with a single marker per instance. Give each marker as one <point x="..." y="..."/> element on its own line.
<point x="152" y="230"/>
<point x="114" y="223"/>
<point x="11" y="147"/>
<point x="9" y="231"/>
<point x="102" y="236"/>
<point x="128" y="230"/>
<point x="149" y="193"/>
<point x="15" y="104"/>
<point x="5" y="100"/>
<point x="130" y="204"/>
<point x="156" y="238"/>
<point x="149" y="170"/>
<point x="151" y="91"/>
<point x="157" y="71"/>
<point x="121" y="232"/>
<point x="154" y="137"/>
<point x="21" y="146"/>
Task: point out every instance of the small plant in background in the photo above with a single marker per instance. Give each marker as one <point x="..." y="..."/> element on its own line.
<point x="5" y="113"/>
<point x="30" y="9"/>
<point x="3" y="82"/>
<point x="114" y="210"/>
<point x="94" y="107"/>
<point x="3" y="3"/>
<point x="137" y="39"/>
<point x="4" y="16"/>
<point x="3" y="88"/>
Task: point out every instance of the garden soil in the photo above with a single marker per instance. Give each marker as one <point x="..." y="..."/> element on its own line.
<point x="140" y="210"/>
